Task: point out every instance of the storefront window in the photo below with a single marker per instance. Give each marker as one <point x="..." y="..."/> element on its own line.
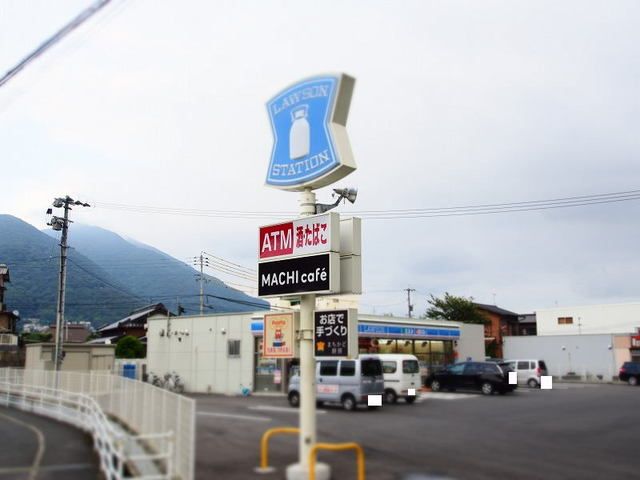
<point x="268" y="371"/>
<point x="386" y="345"/>
<point x="405" y="346"/>
<point x="437" y="352"/>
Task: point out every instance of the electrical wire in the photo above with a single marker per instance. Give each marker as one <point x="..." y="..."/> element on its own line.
<point x="85" y="15"/>
<point x="390" y="214"/>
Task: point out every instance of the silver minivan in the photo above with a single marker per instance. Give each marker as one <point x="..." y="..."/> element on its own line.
<point x="348" y="382"/>
<point x="529" y="371"/>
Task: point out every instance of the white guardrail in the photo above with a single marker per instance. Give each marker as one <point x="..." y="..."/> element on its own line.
<point x="139" y="430"/>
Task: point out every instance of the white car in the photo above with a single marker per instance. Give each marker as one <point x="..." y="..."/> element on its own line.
<point x="529" y="371"/>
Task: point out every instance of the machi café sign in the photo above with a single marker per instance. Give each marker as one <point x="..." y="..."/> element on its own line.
<point x="308" y="119"/>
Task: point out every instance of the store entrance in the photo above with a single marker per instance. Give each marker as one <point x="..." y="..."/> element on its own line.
<point x="270" y="374"/>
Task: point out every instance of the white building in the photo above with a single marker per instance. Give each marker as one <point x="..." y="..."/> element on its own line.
<point x="222" y="353"/>
<point x="587" y="342"/>
<point x="589" y="357"/>
<point x="589" y="319"/>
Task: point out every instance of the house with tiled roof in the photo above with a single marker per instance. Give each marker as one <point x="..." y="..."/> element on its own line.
<point x="500" y="322"/>
<point x="134" y="324"/>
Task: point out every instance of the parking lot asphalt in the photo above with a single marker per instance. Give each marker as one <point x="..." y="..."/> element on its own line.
<point x="35" y="447"/>
<point x="570" y="432"/>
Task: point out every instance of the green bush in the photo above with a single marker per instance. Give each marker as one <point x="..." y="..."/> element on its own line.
<point x="129" y="347"/>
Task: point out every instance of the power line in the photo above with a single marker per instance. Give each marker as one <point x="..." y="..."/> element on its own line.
<point x="55" y="38"/>
<point x="102" y="280"/>
<point x="250" y="270"/>
<point x="390" y="214"/>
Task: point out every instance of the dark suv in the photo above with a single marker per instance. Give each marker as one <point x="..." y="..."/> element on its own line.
<point x="484" y="376"/>
<point x="630" y="372"/>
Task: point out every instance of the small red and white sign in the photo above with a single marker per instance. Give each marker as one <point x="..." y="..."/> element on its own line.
<point x="303" y="236"/>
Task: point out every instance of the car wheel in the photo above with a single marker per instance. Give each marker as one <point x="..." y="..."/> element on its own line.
<point x="532" y="383"/>
<point x="487" y="388"/>
<point x="294" y="399"/>
<point x="633" y="381"/>
<point x="348" y="403"/>
<point x="390" y="396"/>
<point x="435" y="386"/>
<point x="319" y="403"/>
<point x="410" y="399"/>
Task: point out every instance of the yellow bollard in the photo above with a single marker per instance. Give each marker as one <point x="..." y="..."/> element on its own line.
<point x="336" y="447"/>
<point x="264" y="447"/>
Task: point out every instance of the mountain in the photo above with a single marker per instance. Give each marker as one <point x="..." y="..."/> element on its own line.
<point x="154" y="275"/>
<point x="107" y="276"/>
<point x="92" y="294"/>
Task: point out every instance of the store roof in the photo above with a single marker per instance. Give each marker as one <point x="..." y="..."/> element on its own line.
<point x="495" y="309"/>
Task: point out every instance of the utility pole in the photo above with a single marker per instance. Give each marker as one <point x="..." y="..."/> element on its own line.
<point x="201" y="285"/>
<point x="201" y="260"/>
<point x="409" y="306"/>
<point x="579" y="325"/>
<point x="62" y="224"/>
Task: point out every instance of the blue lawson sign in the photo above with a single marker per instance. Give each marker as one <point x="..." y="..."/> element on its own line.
<point x="311" y="147"/>
<point x="388" y="330"/>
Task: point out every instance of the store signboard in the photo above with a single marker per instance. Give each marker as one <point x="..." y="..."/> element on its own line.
<point x="292" y="276"/>
<point x="335" y="333"/>
<point x="280" y="335"/>
<point x="302" y="236"/>
<point x="308" y="119"/>
<point x="399" y="331"/>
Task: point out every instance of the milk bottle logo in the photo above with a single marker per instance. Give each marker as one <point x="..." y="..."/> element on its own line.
<point x="300" y="134"/>
<point x="311" y="147"/>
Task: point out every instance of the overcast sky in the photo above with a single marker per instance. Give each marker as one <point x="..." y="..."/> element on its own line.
<point x="162" y="103"/>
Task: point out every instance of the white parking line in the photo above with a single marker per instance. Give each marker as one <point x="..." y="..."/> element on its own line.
<point x="238" y="417"/>
<point x="269" y="408"/>
<point x="445" y="396"/>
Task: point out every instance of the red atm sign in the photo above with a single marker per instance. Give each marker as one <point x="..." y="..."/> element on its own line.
<point x="303" y="236"/>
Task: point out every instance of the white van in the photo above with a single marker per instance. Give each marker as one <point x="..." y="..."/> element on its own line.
<point x="347" y="381"/>
<point x="401" y="373"/>
<point x="529" y="371"/>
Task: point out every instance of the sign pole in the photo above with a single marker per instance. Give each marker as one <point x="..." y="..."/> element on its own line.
<point x="307" y="413"/>
<point x="307" y="380"/>
<point x="307" y="362"/>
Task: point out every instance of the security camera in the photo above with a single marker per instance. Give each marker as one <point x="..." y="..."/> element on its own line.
<point x="223" y="331"/>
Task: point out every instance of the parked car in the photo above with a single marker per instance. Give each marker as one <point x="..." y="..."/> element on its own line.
<point x="348" y="382"/>
<point x="401" y="373"/>
<point x="487" y="377"/>
<point x="630" y="372"/>
<point x="529" y="371"/>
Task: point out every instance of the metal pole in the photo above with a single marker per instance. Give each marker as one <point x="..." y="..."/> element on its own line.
<point x="201" y="286"/>
<point x="307" y="363"/>
<point x="60" y="324"/>
<point x="409" y="306"/>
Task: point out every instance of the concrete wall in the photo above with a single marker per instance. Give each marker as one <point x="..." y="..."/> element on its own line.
<point x="78" y="357"/>
<point x="471" y="343"/>
<point x="613" y="318"/>
<point x="586" y="355"/>
<point x="196" y="349"/>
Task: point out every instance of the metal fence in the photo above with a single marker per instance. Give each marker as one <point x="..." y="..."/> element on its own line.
<point x="162" y="423"/>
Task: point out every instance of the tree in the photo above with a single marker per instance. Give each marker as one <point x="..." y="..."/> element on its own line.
<point x="456" y="309"/>
<point x="129" y="347"/>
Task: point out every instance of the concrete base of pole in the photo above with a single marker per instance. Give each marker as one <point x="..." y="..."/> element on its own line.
<point x="264" y="469"/>
<point x="296" y="471"/>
